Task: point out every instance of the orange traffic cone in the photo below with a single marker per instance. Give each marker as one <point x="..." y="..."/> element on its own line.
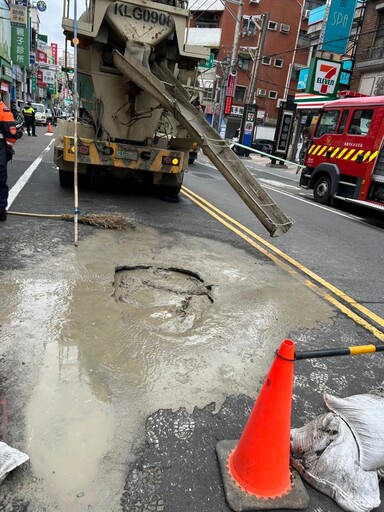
<point x="49" y="128"/>
<point x="258" y="465"/>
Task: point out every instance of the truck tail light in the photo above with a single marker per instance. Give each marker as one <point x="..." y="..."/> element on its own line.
<point x="170" y="160"/>
<point x="84" y="150"/>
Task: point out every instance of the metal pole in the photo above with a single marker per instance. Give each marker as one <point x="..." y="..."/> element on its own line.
<point x="76" y="108"/>
<point x="344" y="351"/>
<point x="256" y="66"/>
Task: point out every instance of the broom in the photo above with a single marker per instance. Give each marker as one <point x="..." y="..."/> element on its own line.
<point x="103" y="221"/>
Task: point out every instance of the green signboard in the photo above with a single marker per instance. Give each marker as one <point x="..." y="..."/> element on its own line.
<point x="20" y="46"/>
<point x="208" y="63"/>
<point x="51" y="88"/>
<point x="33" y="84"/>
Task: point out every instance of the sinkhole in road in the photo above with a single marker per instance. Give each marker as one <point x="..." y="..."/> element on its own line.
<point x="165" y="299"/>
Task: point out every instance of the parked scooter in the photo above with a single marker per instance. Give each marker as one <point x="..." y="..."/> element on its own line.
<point x="19" y="126"/>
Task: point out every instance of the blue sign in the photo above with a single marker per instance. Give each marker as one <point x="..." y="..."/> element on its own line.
<point x="303" y="78"/>
<point x="338" y="28"/>
<point x="345" y="76"/>
<point x="316" y="15"/>
<point x="41" y="5"/>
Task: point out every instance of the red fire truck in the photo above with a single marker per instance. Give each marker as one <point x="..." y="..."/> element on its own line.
<point x="345" y="157"/>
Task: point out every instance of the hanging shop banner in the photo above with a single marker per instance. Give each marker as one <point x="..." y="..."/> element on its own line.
<point x="49" y="77"/>
<point x="231" y="85"/>
<point x="18" y="15"/>
<point x="33" y="83"/>
<point x="54" y="52"/>
<point x="39" y="78"/>
<point x="337" y="24"/>
<point x="20" y="46"/>
<point x="41" y="56"/>
<point x="324" y="77"/>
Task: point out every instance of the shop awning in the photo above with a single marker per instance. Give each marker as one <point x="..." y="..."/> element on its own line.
<point x="305" y="100"/>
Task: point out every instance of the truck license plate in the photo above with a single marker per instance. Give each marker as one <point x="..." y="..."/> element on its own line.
<point x="126" y="154"/>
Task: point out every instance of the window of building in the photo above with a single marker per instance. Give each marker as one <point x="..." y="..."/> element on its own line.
<point x="207" y="20"/>
<point x="379" y="36"/>
<point x="249" y="26"/>
<point x="239" y="93"/>
<point x="284" y="27"/>
<point x="360" y="122"/>
<point x="244" y="62"/>
<point x="272" y="25"/>
<point x="327" y="123"/>
<point x="272" y="95"/>
<point x="279" y="63"/>
<point x="304" y="39"/>
<point x="266" y="61"/>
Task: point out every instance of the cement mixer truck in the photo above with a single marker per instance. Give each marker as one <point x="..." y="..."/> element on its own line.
<point x="135" y="69"/>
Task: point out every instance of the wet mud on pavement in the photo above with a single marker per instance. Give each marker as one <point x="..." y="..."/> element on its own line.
<point x="126" y="359"/>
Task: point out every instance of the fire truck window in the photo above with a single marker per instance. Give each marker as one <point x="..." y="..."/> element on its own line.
<point x="360" y="122"/>
<point x="327" y="123"/>
<point x="343" y="121"/>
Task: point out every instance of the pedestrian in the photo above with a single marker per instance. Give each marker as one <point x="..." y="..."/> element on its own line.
<point x="29" y="118"/>
<point x="8" y="136"/>
<point x="56" y="114"/>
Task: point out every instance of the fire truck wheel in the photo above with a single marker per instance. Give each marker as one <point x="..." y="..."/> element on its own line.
<point x="322" y="190"/>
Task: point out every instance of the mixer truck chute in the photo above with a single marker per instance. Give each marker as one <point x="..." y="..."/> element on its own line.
<point x="133" y="69"/>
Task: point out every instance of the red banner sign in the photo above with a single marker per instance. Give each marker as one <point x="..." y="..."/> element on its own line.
<point x="41" y="56"/>
<point x="54" y="52"/>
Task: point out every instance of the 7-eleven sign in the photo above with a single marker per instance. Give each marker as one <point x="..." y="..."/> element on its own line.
<point x="324" y="76"/>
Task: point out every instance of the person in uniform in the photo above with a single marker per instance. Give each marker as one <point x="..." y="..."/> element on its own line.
<point x="29" y="118"/>
<point x="8" y="136"/>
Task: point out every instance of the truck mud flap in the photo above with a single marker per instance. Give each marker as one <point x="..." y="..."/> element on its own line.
<point x="170" y="94"/>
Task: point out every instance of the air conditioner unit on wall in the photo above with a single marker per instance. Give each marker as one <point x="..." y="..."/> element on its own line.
<point x="279" y="102"/>
<point x="261" y="92"/>
<point x="254" y="1"/>
<point x="306" y="14"/>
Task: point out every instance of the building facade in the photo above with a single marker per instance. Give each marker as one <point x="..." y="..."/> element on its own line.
<point x="368" y="70"/>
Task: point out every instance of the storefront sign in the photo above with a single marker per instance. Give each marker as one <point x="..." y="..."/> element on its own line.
<point x="18" y="15"/>
<point x="20" y="46"/>
<point x="338" y="23"/>
<point x="231" y="85"/>
<point x="324" y="77"/>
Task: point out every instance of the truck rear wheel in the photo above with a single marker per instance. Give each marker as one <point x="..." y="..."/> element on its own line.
<point x="65" y="178"/>
<point x="166" y="191"/>
<point x="322" y="190"/>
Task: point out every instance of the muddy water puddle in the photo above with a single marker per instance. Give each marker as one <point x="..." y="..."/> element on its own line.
<point x="124" y="325"/>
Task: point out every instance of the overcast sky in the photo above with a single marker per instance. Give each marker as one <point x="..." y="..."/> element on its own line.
<point x="50" y="20"/>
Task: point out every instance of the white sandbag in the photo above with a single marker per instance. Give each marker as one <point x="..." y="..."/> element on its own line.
<point x="10" y="458"/>
<point x="325" y="454"/>
<point x="364" y="415"/>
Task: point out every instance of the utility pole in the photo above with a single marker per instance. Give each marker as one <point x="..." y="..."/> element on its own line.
<point x="233" y="63"/>
<point x="256" y="62"/>
<point x="235" y="48"/>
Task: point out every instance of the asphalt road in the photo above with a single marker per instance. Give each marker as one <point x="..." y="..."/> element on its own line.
<point x="202" y="378"/>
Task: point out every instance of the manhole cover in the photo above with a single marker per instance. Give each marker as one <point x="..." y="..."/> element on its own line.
<point x="167" y="299"/>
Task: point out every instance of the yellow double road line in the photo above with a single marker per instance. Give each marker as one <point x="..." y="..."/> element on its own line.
<point x="293" y="267"/>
